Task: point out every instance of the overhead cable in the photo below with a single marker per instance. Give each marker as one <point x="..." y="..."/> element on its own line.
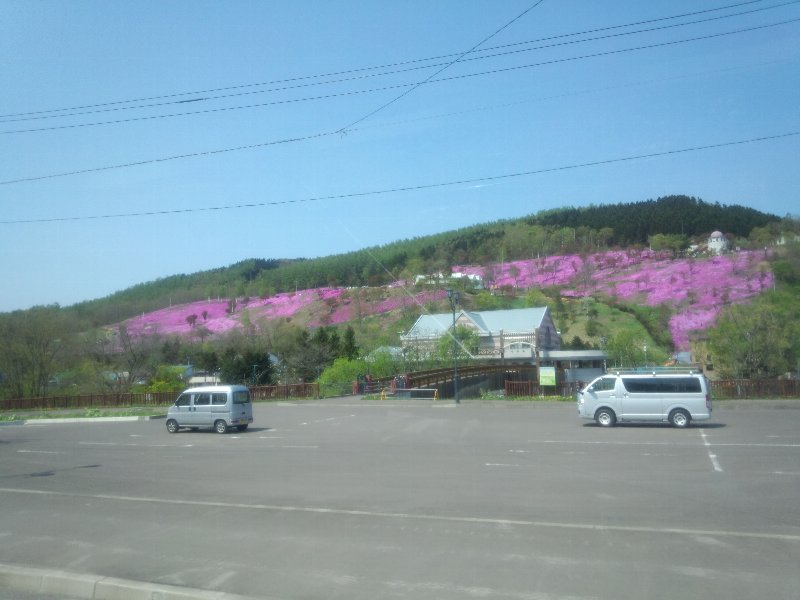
<point x="412" y="85"/>
<point x="204" y="94"/>
<point x="410" y="188"/>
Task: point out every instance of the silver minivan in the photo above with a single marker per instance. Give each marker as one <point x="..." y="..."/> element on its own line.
<point x="657" y="396"/>
<point x="220" y="407"/>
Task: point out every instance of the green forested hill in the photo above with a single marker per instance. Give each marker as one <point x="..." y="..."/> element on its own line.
<point x="678" y="215"/>
<point x="558" y="231"/>
<point x="142" y="333"/>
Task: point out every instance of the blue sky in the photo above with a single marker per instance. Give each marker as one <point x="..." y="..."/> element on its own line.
<point x="277" y="159"/>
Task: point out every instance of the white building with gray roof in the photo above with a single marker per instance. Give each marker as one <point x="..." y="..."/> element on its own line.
<point x="517" y="334"/>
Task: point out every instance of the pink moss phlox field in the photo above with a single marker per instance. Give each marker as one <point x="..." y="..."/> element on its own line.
<point x="173" y="320"/>
<point x="346" y="312"/>
<point x="213" y="316"/>
<point x="695" y="289"/>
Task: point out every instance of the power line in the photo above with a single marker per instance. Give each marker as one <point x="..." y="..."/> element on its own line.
<point x="330" y="133"/>
<point x="444" y="68"/>
<point x="152" y="161"/>
<point x="413" y="188"/>
<point x="413" y="85"/>
<point x="308" y="137"/>
<point x="390" y="65"/>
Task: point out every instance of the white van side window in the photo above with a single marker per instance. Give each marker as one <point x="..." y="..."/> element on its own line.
<point x="666" y="385"/>
<point x="219" y="399"/>
<point x="605" y="384"/>
<point x="202" y="400"/>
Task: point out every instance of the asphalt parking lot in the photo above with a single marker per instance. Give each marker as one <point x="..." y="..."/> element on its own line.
<point x="350" y="499"/>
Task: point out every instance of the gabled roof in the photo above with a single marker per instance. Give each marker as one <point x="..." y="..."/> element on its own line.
<point x="488" y="321"/>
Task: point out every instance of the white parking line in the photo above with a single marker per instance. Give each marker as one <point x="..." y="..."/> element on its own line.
<point x="713" y="457"/>
<point x="619" y="443"/>
<point x="758" y="445"/>
<point x="418" y="517"/>
<point x="603" y="443"/>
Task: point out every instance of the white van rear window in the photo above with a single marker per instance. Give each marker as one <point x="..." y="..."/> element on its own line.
<point x="241" y="397"/>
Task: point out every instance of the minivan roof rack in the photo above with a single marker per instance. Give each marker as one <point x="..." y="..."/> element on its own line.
<point x="655" y="370"/>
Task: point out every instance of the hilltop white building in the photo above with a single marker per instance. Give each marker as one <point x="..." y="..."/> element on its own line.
<point x="717" y="242"/>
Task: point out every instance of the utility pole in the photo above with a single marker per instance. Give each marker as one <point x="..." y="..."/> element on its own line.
<point x="454" y="297"/>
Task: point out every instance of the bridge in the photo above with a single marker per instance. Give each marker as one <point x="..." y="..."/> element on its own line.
<point x="471" y="380"/>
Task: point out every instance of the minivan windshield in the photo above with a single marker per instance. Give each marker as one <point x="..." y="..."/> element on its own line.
<point x="241" y="397"/>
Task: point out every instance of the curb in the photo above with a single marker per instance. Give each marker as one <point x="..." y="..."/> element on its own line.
<point x="97" y="587"/>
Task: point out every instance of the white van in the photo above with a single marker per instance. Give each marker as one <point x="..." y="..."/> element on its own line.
<point x="657" y="396"/>
<point x="219" y="407"/>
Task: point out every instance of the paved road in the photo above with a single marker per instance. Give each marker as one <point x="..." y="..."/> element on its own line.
<point x="368" y="500"/>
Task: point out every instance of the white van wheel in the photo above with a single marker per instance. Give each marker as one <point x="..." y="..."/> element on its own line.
<point x="679" y="418"/>
<point x="220" y="426"/>
<point x="172" y="426"/>
<point x="605" y="417"/>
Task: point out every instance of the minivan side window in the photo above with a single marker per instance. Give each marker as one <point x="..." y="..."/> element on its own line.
<point x="241" y="397"/>
<point x="671" y="385"/>
<point x="219" y="399"/>
<point x="183" y="400"/>
<point x="202" y="400"/>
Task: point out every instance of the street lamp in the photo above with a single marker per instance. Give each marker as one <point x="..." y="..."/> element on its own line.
<point x="454" y="296"/>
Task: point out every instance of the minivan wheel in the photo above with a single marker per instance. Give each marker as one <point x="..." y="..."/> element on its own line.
<point x="220" y="426"/>
<point x="605" y="417"/>
<point x="172" y="426"/>
<point x="679" y="418"/>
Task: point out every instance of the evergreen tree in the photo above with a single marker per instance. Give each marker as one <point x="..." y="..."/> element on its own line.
<point x="349" y="349"/>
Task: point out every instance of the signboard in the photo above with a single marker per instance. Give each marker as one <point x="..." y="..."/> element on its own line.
<point x="547" y="376"/>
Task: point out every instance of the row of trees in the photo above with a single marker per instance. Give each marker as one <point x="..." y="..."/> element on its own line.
<point x="680" y="215"/>
<point x="45" y="354"/>
<point x="762" y="339"/>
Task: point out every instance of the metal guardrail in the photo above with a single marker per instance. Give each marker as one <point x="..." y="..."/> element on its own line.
<point x="284" y="392"/>
<point x="728" y="389"/>
<point x="523" y="389"/>
<point x="733" y="389"/>
<point x="721" y="389"/>
<point x="90" y="401"/>
<point x="257" y="393"/>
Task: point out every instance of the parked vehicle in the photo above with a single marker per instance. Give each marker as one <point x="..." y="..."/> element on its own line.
<point x="219" y="407"/>
<point x="659" y="395"/>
